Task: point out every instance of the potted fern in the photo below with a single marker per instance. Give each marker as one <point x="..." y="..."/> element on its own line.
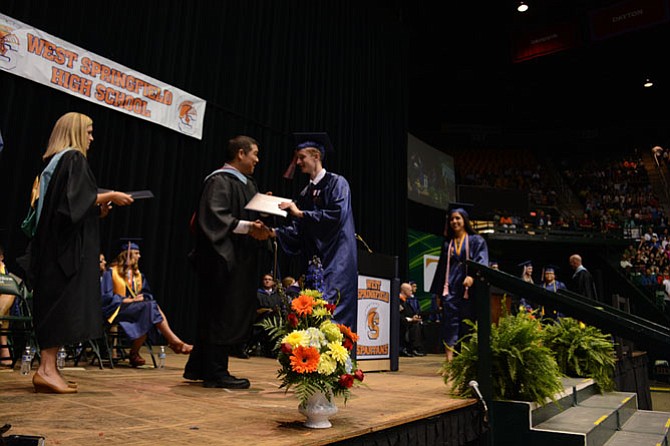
<point x="523" y="367"/>
<point x="582" y="351"/>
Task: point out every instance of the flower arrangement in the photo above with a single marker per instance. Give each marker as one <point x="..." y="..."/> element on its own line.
<point x="314" y="351"/>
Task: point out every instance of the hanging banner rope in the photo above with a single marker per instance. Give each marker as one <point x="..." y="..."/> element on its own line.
<point x="40" y="57"/>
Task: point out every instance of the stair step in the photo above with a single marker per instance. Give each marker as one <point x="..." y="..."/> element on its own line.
<point x="624" y="438"/>
<point x="649" y="421"/>
<point x="624" y="403"/>
<point x="580" y="420"/>
<point x="598" y="417"/>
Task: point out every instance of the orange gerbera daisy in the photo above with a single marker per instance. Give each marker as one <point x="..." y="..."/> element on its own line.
<point x="346" y="331"/>
<point x="303" y="305"/>
<point x="305" y="359"/>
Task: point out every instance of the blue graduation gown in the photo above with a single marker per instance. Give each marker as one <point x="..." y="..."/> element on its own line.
<point x="327" y="231"/>
<point x="136" y="318"/>
<point x="549" y="312"/>
<point x="455" y="309"/>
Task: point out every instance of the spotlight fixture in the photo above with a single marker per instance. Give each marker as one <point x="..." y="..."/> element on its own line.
<point x="522" y="7"/>
<point x="648" y="83"/>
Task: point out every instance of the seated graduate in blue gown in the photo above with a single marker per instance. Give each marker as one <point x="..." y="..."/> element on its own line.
<point x="322" y="225"/>
<point x="127" y="300"/>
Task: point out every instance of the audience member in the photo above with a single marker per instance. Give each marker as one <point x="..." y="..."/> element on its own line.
<point x="6" y="305"/>
<point x="411" y="325"/>
<point x="291" y="287"/>
<point x="269" y="305"/>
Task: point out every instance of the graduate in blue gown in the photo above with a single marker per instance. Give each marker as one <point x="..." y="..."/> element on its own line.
<point x="452" y="280"/>
<point x="322" y="224"/>
<point x="551" y="284"/>
<point x="127" y="300"/>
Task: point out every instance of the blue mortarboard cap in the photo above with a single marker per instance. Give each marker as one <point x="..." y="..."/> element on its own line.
<point x="461" y="208"/>
<point x="128" y="243"/>
<point x="551" y="269"/>
<point x="319" y="140"/>
<point x="526" y="263"/>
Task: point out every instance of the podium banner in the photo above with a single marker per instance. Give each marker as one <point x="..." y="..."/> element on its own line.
<point x="48" y="60"/>
<point x="374" y="318"/>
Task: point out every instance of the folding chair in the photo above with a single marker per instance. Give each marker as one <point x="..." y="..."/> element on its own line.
<point x="19" y="328"/>
<point x="117" y="341"/>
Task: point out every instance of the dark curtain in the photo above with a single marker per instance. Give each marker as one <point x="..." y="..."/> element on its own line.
<point x="266" y="69"/>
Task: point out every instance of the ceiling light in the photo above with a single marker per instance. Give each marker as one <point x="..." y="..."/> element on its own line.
<point x="647" y="83"/>
<point x="522" y="7"/>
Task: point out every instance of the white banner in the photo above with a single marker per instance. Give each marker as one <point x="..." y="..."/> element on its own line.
<point x="374" y="318"/>
<point x="40" y="57"/>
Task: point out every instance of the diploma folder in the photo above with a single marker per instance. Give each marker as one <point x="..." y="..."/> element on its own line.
<point x="141" y="194"/>
<point x="136" y="194"/>
<point x="267" y="204"/>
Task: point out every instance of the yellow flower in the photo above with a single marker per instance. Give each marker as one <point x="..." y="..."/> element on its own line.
<point x="296" y="338"/>
<point x="332" y="331"/>
<point x="315" y="294"/>
<point x="320" y="312"/>
<point x="338" y="352"/>
<point x="327" y="365"/>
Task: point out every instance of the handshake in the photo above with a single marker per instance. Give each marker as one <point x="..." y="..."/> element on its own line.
<point x="260" y="231"/>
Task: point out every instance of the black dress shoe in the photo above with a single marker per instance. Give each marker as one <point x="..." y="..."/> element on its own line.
<point x="227" y="382"/>
<point x="192" y="376"/>
<point x="406" y="353"/>
<point x="418" y="353"/>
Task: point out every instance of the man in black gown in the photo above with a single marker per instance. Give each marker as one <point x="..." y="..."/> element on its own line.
<point x="582" y="280"/>
<point x="226" y="260"/>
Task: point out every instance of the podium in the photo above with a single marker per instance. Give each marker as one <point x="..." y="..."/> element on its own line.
<point x="378" y="312"/>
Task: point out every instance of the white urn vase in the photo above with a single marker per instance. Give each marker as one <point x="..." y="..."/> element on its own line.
<point x="318" y="409"/>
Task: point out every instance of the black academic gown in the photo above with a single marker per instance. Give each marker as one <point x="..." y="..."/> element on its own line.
<point x="582" y="283"/>
<point x="65" y="255"/>
<point x="226" y="263"/>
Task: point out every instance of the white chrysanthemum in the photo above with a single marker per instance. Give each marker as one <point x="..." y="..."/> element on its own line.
<point x="296" y="338"/>
<point x="338" y="352"/>
<point x="332" y="331"/>
<point x="315" y="337"/>
<point x="327" y="365"/>
<point x="348" y="365"/>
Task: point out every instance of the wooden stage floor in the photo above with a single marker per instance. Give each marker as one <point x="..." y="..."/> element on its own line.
<point x="152" y="406"/>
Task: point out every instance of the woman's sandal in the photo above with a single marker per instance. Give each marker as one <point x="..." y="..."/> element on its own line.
<point x="136" y="360"/>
